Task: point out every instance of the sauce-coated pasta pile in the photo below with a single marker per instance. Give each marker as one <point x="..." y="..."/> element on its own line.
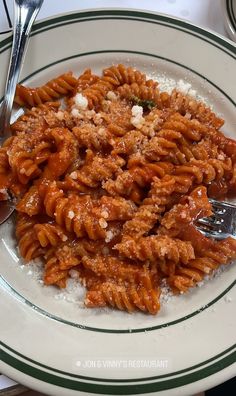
<point x="109" y="184"/>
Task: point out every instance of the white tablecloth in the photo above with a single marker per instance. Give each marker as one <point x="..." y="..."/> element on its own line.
<point x="207" y="13"/>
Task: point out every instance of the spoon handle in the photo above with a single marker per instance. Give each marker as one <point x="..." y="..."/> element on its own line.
<point x="25" y="12"/>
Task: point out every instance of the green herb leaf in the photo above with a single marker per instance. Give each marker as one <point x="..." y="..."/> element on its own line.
<point x="145" y="104"/>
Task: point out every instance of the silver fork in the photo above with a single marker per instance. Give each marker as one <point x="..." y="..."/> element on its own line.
<point x="222" y="223"/>
<point x="25" y="12"/>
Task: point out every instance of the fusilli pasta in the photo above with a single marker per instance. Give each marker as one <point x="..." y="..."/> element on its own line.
<point x="108" y="185"/>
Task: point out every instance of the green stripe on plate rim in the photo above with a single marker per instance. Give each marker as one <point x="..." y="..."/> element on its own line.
<point x="89" y="328"/>
<point x="157" y="377"/>
<point x="119" y="388"/>
<point x="170" y="22"/>
<point x="40" y="311"/>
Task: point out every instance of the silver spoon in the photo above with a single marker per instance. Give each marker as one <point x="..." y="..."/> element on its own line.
<point x="25" y="12"/>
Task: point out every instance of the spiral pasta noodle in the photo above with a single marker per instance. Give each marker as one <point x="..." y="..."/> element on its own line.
<point x="123" y="298"/>
<point x="156" y="247"/>
<point x="119" y="75"/>
<point x="109" y="182"/>
<point x="92" y="136"/>
<point x="114" y="269"/>
<point x="50" y="234"/>
<point x="93" y="172"/>
<point x="184" y="152"/>
<point x="34" y="120"/>
<point x="4" y="163"/>
<point x="136" y="176"/>
<point x="53" y="274"/>
<point x="187" y="105"/>
<point x="54" y="89"/>
<point x="207" y="260"/>
<point x="82" y="215"/>
<point x="149" y="211"/>
<point x="29" y="245"/>
<point x="195" y="205"/>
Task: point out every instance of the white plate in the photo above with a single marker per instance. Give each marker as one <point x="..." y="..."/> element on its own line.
<point x="229" y="12"/>
<point x="59" y="348"/>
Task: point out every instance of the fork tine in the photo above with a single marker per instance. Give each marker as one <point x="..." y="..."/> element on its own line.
<point x="206" y="227"/>
<point x="221" y="224"/>
<point x="212" y="234"/>
<point x="213" y="221"/>
<point x="206" y="222"/>
<point x="219" y="210"/>
<point x="221" y="206"/>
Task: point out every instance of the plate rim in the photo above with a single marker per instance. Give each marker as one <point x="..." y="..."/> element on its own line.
<point x="118" y="386"/>
<point x="115" y="11"/>
<point x="214" y="37"/>
<point x="230" y="18"/>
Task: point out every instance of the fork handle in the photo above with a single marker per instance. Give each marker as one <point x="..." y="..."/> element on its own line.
<point x="25" y="12"/>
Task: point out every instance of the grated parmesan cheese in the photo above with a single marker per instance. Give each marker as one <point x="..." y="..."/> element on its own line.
<point x="89" y="114"/>
<point x="73" y="175"/>
<point x="163" y="250"/>
<point x="137" y="116"/>
<point x="80" y="101"/>
<point x="111" y="96"/>
<point x="183" y="86"/>
<point x="75" y="112"/>
<point x="102" y="223"/>
<point x="74" y="274"/>
<point x="60" y="115"/>
<point x="109" y="236"/>
<point x="166" y="293"/>
<point x="97" y="119"/>
<point x="101" y="132"/>
<point x="166" y="84"/>
<point x="71" y="214"/>
<point x="105" y="214"/>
